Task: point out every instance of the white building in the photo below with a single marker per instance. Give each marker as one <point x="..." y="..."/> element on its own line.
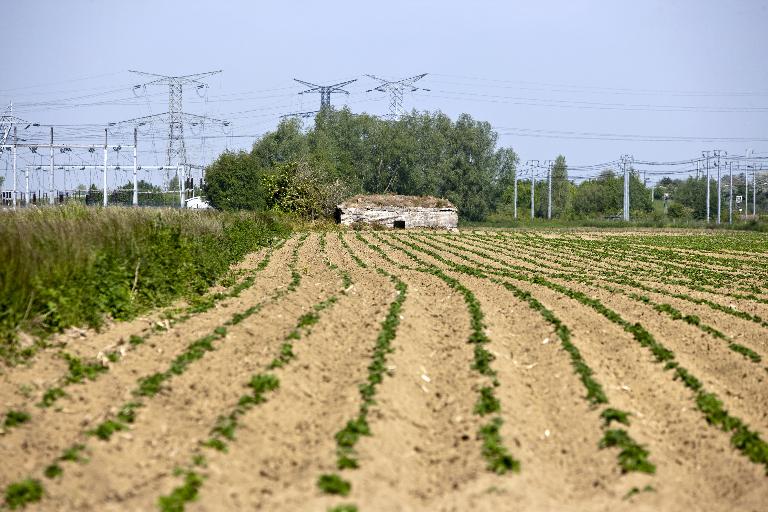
<point x="197" y="203"/>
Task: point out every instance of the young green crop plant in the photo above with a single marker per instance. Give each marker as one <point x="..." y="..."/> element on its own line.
<point x="14" y="418"/>
<point x="334" y="484"/>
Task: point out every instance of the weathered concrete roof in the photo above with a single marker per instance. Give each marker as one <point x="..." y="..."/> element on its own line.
<point x="395" y="201"/>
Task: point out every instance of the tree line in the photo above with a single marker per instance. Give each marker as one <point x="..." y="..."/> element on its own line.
<point x="309" y="171"/>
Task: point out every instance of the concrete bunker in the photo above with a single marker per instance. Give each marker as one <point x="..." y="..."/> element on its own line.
<point x="398" y="212"/>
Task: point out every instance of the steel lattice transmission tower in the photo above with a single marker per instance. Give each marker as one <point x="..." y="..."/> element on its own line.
<point x="176" y="148"/>
<point x="396" y="90"/>
<point x="7" y="122"/>
<point x="325" y="90"/>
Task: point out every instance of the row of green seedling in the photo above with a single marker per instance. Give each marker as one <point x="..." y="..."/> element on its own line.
<point x="496" y="455"/>
<point x="649" y="246"/>
<point x="79" y="370"/>
<point x="694" y="278"/>
<point x="622" y="279"/>
<point x="664" y="308"/>
<point x="591" y="253"/>
<point x="348" y="437"/>
<point x="632" y="456"/>
<point x="223" y="431"/>
<point x="743" y="438"/>
<point x="149" y="386"/>
<point x="597" y="258"/>
<point x="656" y="255"/>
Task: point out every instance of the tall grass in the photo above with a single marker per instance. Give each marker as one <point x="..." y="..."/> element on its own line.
<point x="72" y="265"/>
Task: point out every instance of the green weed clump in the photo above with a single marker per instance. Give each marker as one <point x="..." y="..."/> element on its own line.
<point x="610" y="414"/>
<point x="53" y="471"/>
<point x="182" y="494"/>
<point x="632" y="457"/>
<point x="14" y="418"/>
<point x="19" y="494"/>
<point x="73" y="265"/>
<point x="343" y="508"/>
<point x="80" y="370"/>
<point x="73" y="453"/>
<point x="496" y="455"/>
<point x="746" y="352"/>
<point x="487" y="403"/>
<point x="334" y="484"/>
<point x="50" y="396"/>
<point x="106" y="428"/>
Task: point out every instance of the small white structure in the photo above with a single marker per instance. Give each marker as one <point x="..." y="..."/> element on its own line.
<point x="197" y="203"/>
<point x="395" y="211"/>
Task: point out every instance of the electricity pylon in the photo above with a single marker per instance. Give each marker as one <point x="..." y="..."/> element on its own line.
<point x="325" y="90"/>
<point x="7" y="122"/>
<point x="396" y="90"/>
<point x="176" y="147"/>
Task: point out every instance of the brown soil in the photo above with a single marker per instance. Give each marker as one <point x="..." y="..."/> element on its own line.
<point x="423" y="453"/>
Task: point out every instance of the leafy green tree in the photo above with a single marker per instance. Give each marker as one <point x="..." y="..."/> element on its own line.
<point x="468" y="182"/>
<point x="639" y="194"/>
<point x="417" y="154"/>
<point x="605" y="195"/>
<point x="678" y="211"/>
<point x="561" y="188"/>
<point x="233" y="182"/>
<point x="286" y="144"/>
<point x="602" y="195"/>
<point x="504" y="180"/>
<point x="141" y="186"/>
<point x="298" y="187"/>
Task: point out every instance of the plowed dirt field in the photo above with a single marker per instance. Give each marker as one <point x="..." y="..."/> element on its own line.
<point x="417" y="371"/>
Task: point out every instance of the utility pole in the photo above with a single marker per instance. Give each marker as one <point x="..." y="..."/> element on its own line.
<point x="135" y="201"/>
<point x="26" y="186"/>
<point x="396" y="90"/>
<point x="754" y="189"/>
<point x="717" y="154"/>
<point x="533" y="192"/>
<point x="180" y="176"/>
<point x="730" y="192"/>
<point x="325" y="90"/>
<point x="532" y="164"/>
<point x="549" y="189"/>
<point x="15" y="141"/>
<point x="176" y="147"/>
<point x="746" y="191"/>
<point x="515" y="201"/>
<point x="625" y="159"/>
<point x="50" y="187"/>
<point x="104" y="182"/>
<point x="706" y="155"/>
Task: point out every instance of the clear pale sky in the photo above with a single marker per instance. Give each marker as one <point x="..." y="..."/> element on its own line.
<point x="543" y="73"/>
